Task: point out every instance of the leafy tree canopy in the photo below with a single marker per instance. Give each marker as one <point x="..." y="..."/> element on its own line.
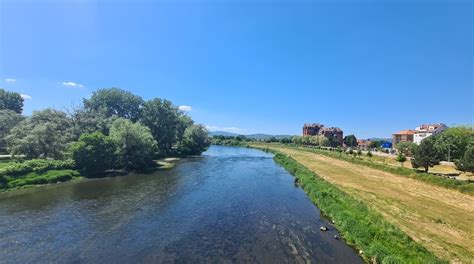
<point x="115" y="101"/>
<point x="350" y="141"/>
<point x="11" y="101"/>
<point x="93" y="153"/>
<point x="135" y="144"/>
<point x="425" y="155"/>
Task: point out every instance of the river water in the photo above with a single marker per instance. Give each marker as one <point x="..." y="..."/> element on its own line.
<point x="232" y="205"/>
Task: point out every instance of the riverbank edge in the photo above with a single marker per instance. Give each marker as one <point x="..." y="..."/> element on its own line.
<point x="460" y="186"/>
<point x="377" y="240"/>
<point x="163" y="164"/>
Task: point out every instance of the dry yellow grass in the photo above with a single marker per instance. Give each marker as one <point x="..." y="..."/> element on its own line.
<point x="440" y="219"/>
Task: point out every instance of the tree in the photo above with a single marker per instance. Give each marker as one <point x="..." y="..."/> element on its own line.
<point x="94" y="153"/>
<point x="114" y="101"/>
<point x="43" y="135"/>
<point x="89" y="121"/>
<point x="406" y="148"/>
<point x="135" y="146"/>
<point x="350" y="141"/>
<point x="195" y="140"/>
<point x="369" y="154"/>
<point x="374" y="144"/>
<point x="453" y="142"/>
<point x="425" y="155"/>
<point x="166" y="122"/>
<point x="11" y="101"/>
<point x="401" y="158"/>
<point x="8" y="119"/>
<point x="466" y="163"/>
<point x="359" y="152"/>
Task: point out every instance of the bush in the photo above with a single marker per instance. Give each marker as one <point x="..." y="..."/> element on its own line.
<point x="94" y="153"/>
<point x="36" y="165"/>
<point x="52" y="176"/>
<point x="466" y="163"/>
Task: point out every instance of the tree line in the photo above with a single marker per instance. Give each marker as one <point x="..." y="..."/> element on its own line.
<point x="113" y="129"/>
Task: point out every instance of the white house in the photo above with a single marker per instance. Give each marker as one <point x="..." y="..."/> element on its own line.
<point x="425" y="131"/>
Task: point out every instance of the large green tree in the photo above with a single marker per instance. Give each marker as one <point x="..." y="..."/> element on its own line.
<point x="195" y="140"/>
<point x="135" y="144"/>
<point x="350" y="141"/>
<point x="115" y="102"/>
<point x="85" y="122"/>
<point x="406" y="148"/>
<point x="11" y="101"/>
<point x="166" y="122"/>
<point x="94" y="153"/>
<point x="425" y="155"/>
<point x="8" y="119"/>
<point x="452" y="143"/>
<point x="45" y="134"/>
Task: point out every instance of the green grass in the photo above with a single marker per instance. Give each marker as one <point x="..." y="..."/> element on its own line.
<point x="34" y="178"/>
<point x="462" y="186"/>
<point x="359" y="225"/>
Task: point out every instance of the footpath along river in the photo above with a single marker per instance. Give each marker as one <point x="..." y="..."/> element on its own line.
<point x="230" y="205"/>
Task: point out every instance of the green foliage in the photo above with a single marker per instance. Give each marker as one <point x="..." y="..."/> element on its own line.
<point x="11" y="101"/>
<point x="369" y="154"/>
<point x="8" y="119"/>
<point x="35" y="178"/>
<point x="43" y="135"/>
<point x="359" y="225"/>
<point x="425" y="155"/>
<point x="406" y="148"/>
<point x="401" y="158"/>
<point x="466" y="163"/>
<point x="452" y="143"/>
<point x="195" y="140"/>
<point x="94" y="153"/>
<point x="115" y="102"/>
<point x="375" y="144"/>
<point x="350" y="141"/>
<point x="135" y="146"/>
<point x="166" y="122"/>
<point x="89" y="121"/>
<point x="14" y="169"/>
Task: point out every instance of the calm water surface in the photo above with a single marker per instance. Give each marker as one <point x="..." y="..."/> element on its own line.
<point x="231" y="205"/>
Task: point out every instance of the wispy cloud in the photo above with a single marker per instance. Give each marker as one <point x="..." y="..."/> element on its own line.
<point x="26" y="97"/>
<point x="10" y="80"/>
<point x="72" y="84"/>
<point x="226" y="129"/>
<point x="185" y="108"/>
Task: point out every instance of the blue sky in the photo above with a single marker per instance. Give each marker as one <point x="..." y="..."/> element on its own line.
<point x="369" y="67"/>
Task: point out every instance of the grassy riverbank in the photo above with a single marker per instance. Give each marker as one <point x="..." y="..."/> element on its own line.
<point x="360" y="226"/>
<point x="18" y="175"/>
<point x="459" y="185"/>
<point x="438" y="218"/>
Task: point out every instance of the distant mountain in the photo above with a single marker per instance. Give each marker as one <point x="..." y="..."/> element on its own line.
<point x="255" y="136"/>
<point x="222" y="133"/>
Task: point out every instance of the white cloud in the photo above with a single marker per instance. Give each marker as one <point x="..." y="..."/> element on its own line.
<point x="10" y="80"/>
<point x="26" y="97"/>
<point x="226" y="129"/>
<point x="72" y="84"/>
<point x="185" y="108"/>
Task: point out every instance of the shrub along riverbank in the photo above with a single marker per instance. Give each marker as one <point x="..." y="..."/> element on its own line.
<point x="379" y="241"/>
<point x="461" y="186"/>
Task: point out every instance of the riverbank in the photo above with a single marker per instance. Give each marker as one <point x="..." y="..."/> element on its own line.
<point x="14" y="176"/>
<point x="435" y="217"/>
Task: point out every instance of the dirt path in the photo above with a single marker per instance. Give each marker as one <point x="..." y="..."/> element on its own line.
<point x="440" y="219"/>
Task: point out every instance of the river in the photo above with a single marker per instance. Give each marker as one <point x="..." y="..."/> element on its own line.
<point x="230" y="205"/>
